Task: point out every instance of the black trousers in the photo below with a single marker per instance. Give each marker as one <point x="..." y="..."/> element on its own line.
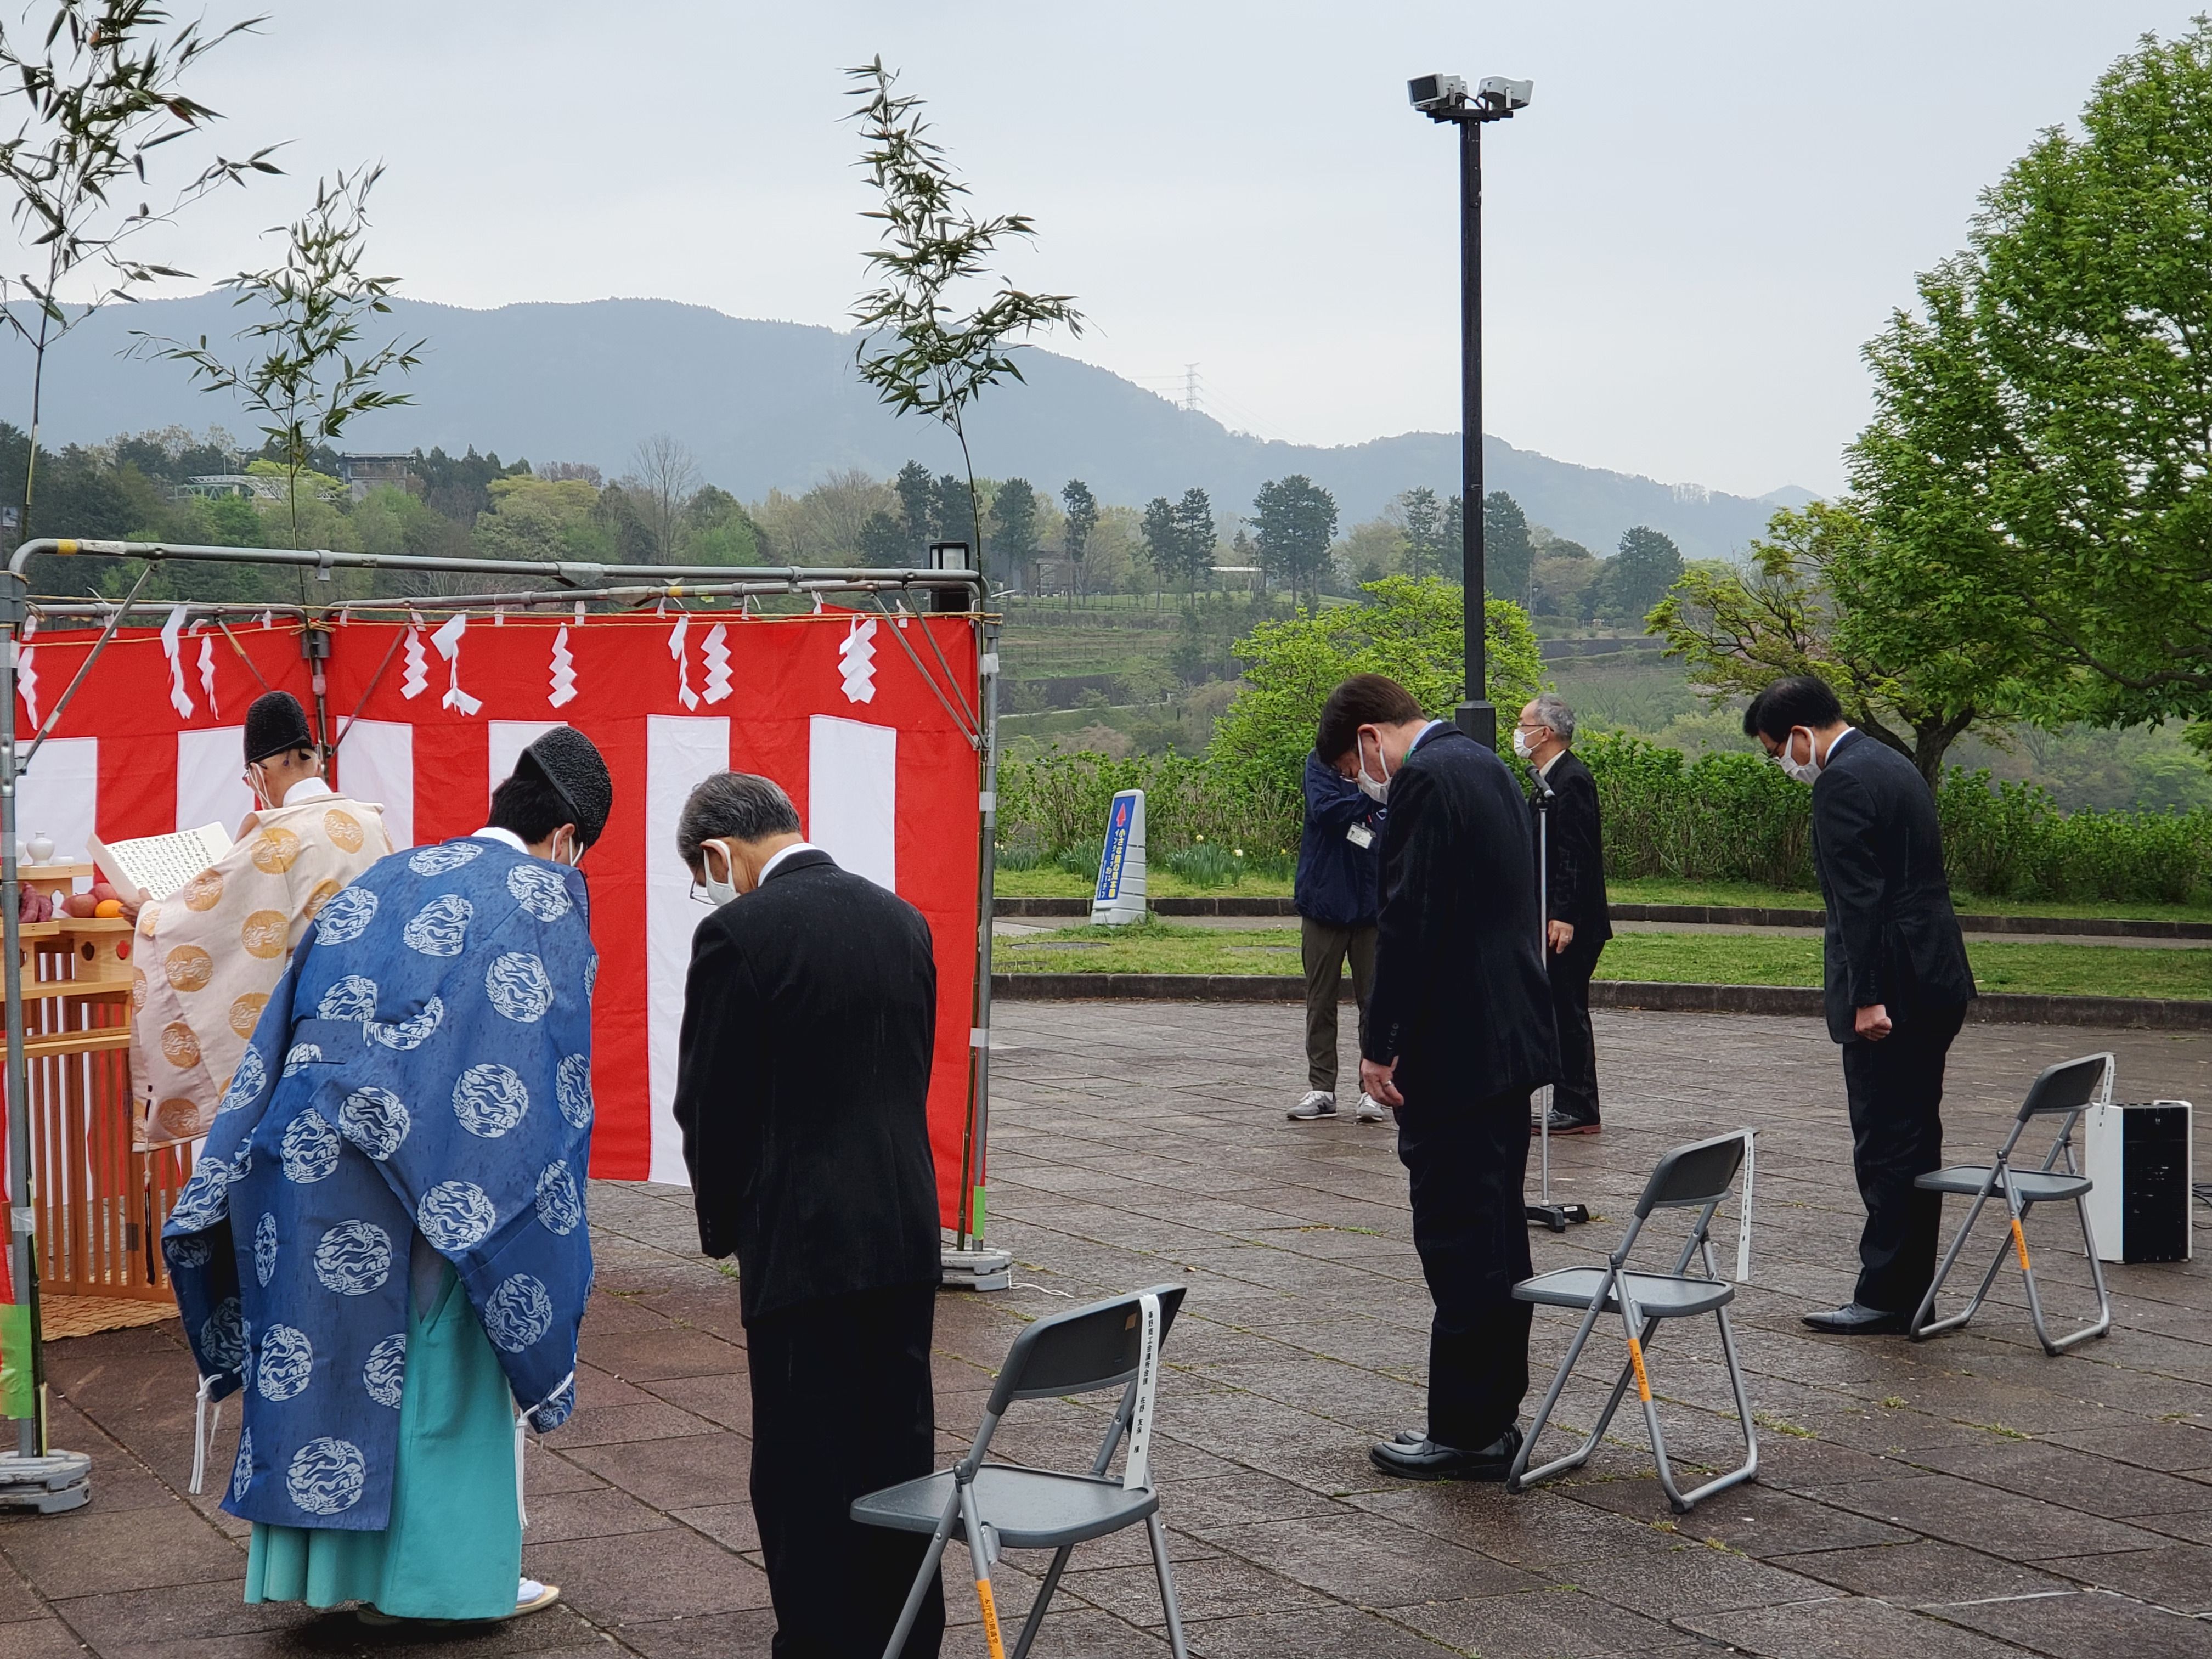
<point x="1575" y="1093"/>
<point x="841" y="1407"/>
<point x="1468" y="1160"/>
<point x="1895" y="1088"/>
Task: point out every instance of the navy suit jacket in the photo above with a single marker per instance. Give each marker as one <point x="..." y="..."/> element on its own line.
<point x="1892" y="936"/>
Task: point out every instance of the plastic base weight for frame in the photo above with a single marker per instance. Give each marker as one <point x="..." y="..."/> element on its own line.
<point x="977" y="1269"/>
<point x="1559" y="1216"/>
<point x="48" y="1486"/>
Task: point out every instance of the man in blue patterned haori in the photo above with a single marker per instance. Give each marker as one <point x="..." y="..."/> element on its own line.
<point x="383" y="1242"/>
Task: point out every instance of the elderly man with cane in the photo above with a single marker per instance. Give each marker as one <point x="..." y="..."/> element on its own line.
<point x="1578" y="922"/>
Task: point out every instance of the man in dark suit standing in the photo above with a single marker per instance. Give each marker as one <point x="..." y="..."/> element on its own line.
<point x="1457" y="1032"/>
<point x="802" y="1088"/>
<point x="1579" y="921"/>
<point x="1897" y="981"/>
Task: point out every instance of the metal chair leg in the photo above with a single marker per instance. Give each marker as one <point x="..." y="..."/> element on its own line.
<point x="1689" y="1500"/>
<point x="1518" y="1477"/>
<point x="897" y="1647"/>
<point x="1167" y="1585"/>
<point x="2055" y="1346"/>
<point x="1035" y="1622"/>
<point x="1922" y="1327"/>
<point x="980" y="1558"/>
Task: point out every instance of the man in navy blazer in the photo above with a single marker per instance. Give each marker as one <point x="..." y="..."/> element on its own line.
<point x="1457" y="1033"/>
<point x="1896" y="981"/>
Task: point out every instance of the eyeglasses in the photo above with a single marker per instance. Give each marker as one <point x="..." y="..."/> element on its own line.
<point x="699" y="895"/>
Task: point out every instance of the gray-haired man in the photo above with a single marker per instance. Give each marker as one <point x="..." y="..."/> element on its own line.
<point x="802" y="1089"/>
<point x="1577" y="921"/>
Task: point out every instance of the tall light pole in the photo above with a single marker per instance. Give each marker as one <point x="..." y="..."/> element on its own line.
<point x="1445" y="98"/>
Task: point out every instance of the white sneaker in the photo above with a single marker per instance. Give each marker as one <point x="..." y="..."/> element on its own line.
<point x="1370" y="1109"/>
<point x="1318" y="1103"/>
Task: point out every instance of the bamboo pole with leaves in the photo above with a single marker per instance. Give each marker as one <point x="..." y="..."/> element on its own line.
<point x="308" y="385"/>
<point x="920" y="351"/>
<point x="101" y="92"/>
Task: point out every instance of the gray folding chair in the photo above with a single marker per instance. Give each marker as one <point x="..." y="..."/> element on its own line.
<point x="1698" y="1176"/>
<point x="2066" y="1090"/>
<point x="1112" y="1344"/>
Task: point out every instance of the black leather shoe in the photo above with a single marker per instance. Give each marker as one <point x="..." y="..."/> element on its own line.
<point x="1856" y="1318"/>
<point x="1425" y="1460"/>
<point x="1565" y="1123"/>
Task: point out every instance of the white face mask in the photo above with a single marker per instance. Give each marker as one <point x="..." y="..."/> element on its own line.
<point x="721" y="890"/>
<point x="568" y="851"/>
<point x="1376" y="789"/>
<point x="1520" y="743"/>
<point x="1805" y="771"/>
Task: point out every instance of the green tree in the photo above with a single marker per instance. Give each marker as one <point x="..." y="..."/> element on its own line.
<point x="917" y="503"/>
<point x="533" y="519"/>
<point x="1162" y="539"/>
<point x="1410" y="628"/>
<point x="1508" y="555"/>
<point x="1791" y="610"/>
<point x="1014" y="525"/>
<point x="715" y="529"/>
<point x="1639" y="573"/>
<point x="1294" y="521"/>
<point x="1081" y="512"/>
<point x="885" y="541"/>
<point x="1423" y="516"/>
<point x="922" y="355"/>
<point x="2040" y="438"/>
<point x="1195" y="536"/>
<point x="949" y="517"/>
<point x="306" y="381"/>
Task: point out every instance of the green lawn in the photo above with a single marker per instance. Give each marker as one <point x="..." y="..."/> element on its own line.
<point x="1656" y="890"/>
<point x="1681" y="958"/>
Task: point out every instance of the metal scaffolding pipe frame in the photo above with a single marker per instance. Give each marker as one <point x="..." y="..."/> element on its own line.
<point x="573" y="581"/>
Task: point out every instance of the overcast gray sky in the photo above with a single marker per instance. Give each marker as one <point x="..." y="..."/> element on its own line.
<point x="1707" y="209"/>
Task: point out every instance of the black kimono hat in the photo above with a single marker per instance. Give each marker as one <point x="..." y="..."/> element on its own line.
<point x="276" y="725"/>
<point x="569" y="763"/>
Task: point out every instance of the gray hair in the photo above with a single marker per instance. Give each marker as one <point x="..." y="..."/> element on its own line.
<point x="741" y="805"/>
<point x="1552" y="710"/>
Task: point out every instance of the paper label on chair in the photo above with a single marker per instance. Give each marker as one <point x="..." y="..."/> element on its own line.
<point x="1635" y="1359"/>
<point x="1137" y="1473"/>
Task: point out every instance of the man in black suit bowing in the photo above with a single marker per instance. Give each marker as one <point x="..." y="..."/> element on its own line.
<point x="1580" y="921"/>
<point x="802" y="1088"/>
<point x="1897" y="982"/>
<point x="1457" y="1031"/>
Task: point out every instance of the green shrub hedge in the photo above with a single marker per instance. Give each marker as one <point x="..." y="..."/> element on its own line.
<point x="1719" y="817"/>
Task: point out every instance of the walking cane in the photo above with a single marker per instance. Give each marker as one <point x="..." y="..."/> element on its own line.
<point x="1557" y="1217"/>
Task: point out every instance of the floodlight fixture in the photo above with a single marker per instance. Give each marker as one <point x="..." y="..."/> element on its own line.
<point x="1433" y="92"/>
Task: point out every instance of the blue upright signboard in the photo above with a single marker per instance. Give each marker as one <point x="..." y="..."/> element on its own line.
<point x="1115" y="857"/>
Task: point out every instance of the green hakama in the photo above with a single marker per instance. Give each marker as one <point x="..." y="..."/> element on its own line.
<point x="453" y="1547"/>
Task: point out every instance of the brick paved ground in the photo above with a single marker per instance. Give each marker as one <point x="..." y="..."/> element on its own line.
<point x="1966" y="1498"/>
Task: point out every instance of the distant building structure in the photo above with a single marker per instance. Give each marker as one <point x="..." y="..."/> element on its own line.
<point x="208" y="486"/>
<point x="389" y="469"/>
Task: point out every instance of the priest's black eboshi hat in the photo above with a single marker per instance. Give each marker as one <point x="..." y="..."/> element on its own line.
<point x="276" y="725"/>
<point x="569" y="763"/>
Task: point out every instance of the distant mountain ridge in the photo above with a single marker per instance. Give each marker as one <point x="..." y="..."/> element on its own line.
<point x="769" y="404"/>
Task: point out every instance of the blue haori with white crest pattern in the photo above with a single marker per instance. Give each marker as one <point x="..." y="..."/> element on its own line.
<point x="424" y="1066"/>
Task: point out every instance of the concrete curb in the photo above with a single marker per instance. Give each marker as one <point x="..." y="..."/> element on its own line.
<point x="1706" y="914"/>
<point x="1997" y="1008"/>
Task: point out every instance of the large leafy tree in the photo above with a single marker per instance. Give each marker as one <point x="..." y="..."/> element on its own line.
<point x="1014" y="525"/>
<point x="1080" y="512"/>
<point x="1195" y="535"/>
<point x="917" y="502"/>
<point x="1422" y="516"/>
<point x="1508" y="555"/>
<point x="1798" y="606"/>
<point x="1410" y="628"/>
<point x="2042" y="442"/>
<point x="1162" y="539"/>
<point x="1639" y="573"/>
<point x="1294" y="521"/>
